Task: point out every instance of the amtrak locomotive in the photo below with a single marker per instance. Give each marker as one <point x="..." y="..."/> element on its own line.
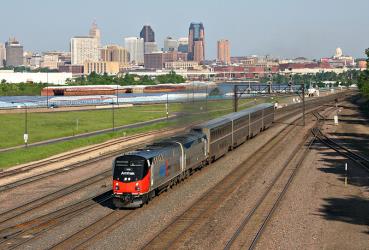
<point x="140" y="175"/>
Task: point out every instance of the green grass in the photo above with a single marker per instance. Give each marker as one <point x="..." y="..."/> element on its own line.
<point x="45" y="126"/>
<point x="24" y="155"/>
<point x="196" y="112"/>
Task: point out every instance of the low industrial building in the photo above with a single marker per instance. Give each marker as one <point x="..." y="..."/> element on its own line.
<point x="18" y="77"/>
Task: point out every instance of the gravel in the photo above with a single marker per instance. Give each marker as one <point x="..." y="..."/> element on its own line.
<point x="319" y="211"/>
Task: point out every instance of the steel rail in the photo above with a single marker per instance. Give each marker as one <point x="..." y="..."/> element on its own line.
<point x="262" y="200"/>
<point x="17" y="235"/>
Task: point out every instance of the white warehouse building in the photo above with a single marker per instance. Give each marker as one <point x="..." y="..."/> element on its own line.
<point x="17" y="77"/>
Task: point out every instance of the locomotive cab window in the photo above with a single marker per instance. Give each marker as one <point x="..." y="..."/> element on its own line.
<point x="130" y="168"/>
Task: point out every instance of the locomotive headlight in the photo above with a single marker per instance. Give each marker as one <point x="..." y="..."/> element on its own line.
<point x="137" y="187"/>
<point x="116" y="186"/>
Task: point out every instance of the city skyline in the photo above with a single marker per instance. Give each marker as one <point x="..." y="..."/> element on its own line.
<point x="277" y="29"/>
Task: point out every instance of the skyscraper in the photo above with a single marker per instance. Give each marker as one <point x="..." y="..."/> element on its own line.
<point x="115" y="53"/>
<point x="84" y="48"/>
<point x="224" y="52"/>
<point x="2" y="55"/>
<point x="147" y="34"/>
<point x="135" y="47"/>
<point x="183" y="44"/>
<point x="151" y="47"/>
<point x="14" y="53"/>
<point x="196" y="42"/>
<point x="95" y="32"/>
<point x="170" y="44"/>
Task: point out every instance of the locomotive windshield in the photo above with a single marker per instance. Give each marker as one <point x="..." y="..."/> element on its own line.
<point x="130" y="168"/>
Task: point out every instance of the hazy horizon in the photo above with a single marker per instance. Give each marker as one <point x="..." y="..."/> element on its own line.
<point x="284" y="29"/>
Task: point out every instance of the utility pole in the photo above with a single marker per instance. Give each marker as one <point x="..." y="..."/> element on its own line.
<point x="47" y="90"/>
<point x="25" y="135"/>
<point x="166" y="107"/>
<point x="26" y="126"/>
<point x="235" y="98"/>
<point x="303" y="104"/>
<point x="206" y="96"/>
<point x="113" y="115"/>
<point x="117" y="95"/>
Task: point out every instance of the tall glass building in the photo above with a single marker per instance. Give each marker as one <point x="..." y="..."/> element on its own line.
<point x="147" y="34"/>
<point x="196" y="42"/>
<point x="135" y="47"/>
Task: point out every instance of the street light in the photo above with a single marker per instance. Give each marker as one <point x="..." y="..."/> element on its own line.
<point x="113" y="112"/>
<point x="166" y="107"/>
<point x="47" y="90"/>
<point x="25" y="136"/>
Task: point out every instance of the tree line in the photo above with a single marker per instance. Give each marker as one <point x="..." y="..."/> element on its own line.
<point x="127" y="79"/>
<point x="347" y="78"/>
<point x="363" y="82"/>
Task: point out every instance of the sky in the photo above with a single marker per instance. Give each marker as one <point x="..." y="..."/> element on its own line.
<point x="279" y="28"/>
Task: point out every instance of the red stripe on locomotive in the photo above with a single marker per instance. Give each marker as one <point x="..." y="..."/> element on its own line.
<point x="143" y="185"/>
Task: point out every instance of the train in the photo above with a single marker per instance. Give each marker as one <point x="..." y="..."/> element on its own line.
<point x="142" y="174"/>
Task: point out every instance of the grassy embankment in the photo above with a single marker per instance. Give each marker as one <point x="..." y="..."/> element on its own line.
<point x="45" y="126"/>
<point x="54" y="125"/>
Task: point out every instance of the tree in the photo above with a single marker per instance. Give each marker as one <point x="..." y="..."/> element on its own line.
<point x="363" y="82"/>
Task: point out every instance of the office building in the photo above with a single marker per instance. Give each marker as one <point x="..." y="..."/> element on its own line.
<point x="84" y="48"/>
<point x="135" y="47"/>
<point x="35" y="61"/>
<point x="96" y="33"/>
<point x="151" y="47"/>
<point x="154" y="60"/>
<point x="50" y="61"/>
<point x="2" y="55"/>
<point x="196" y="42"/>
<point x="182" y="65"/>
<point x="76" y="70"/>
<point x="183" y="44"/>
<point x="101" y="68"/>
<point x="115" y="53"/>
<point x="157" y="60"/>
<point x="170" y="44"/>
<point x="14" y="53"/>
<point x="147" y="34"/>
<point x="224" y="52"/>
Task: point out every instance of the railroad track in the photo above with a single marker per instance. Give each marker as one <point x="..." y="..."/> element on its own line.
<point x="20" y="234"/>
<point x="23" y="209"/>
<point x="80" y="238"/>
<point x="207" y="204"/>
<point x="107" y="223"/>
<point x="265" y="207"/>
<point x="15" y="236"/>
<point x="112" y="153"/>
<point x="342" y="150"/>
<point x="77" y="165"/>
<point x="65" y="157"/>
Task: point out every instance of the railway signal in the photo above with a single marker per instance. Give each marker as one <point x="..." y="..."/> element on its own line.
<point x="270" y="82"/>
<point x="290" y="82"/>
<point x="243" y="88"/>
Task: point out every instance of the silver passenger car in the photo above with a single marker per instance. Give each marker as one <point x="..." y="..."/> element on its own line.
<point x="249" y="122"/>
<point x="219" y="136"/>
